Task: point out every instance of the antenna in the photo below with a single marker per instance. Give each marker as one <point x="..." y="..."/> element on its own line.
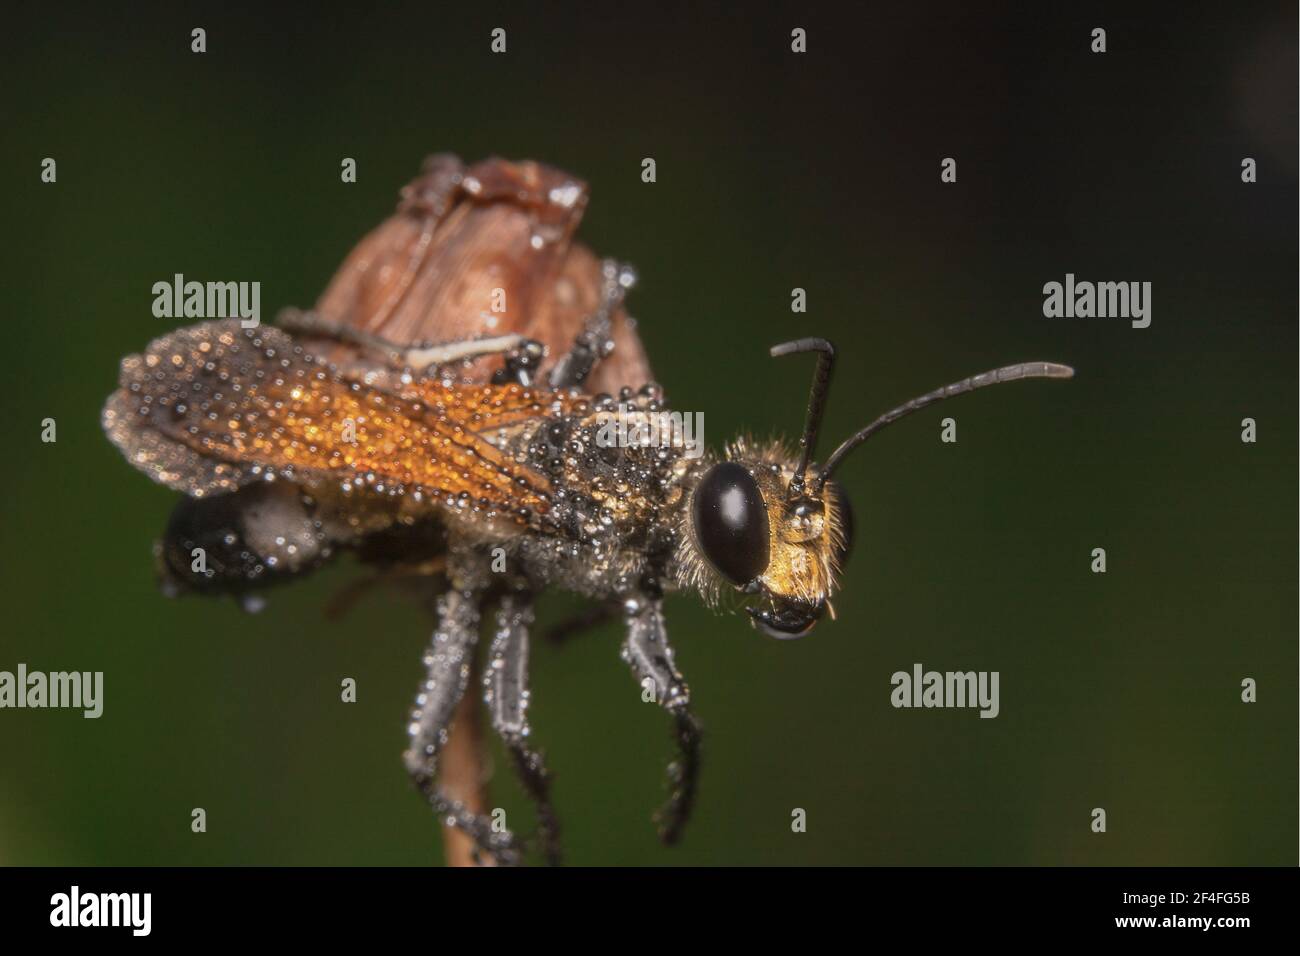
<point x="821" y="385"/>
<point x="997" y="376"/>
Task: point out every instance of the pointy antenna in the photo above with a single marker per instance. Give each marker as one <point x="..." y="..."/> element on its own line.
<point x="997" y="376"/>
<point x="821" y="385"/>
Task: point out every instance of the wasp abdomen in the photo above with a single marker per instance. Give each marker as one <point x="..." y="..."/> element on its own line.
<point x="230" y="544"/>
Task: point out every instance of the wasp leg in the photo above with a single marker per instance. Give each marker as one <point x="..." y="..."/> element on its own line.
<point x="584" y="620"/>
<point x="594" y="342"/>
<point x="340" y="605"/>
<point x="417" y="358"/>
<point x="448" y="660"/>
<point x="521" y="363"/>
<point x="307" y="322"/>
<point x="505" y="691"/>
<point x="647" y="651"/>
<point x="420" y="359"/>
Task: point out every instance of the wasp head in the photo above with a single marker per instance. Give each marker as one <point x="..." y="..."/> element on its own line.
<point x="767" y="525"/>
<point x="782" y="552"/>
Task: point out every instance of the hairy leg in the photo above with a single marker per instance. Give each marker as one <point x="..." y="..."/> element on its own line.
<point x="648" y="653"/>
<point x="593" y="343"/>
<point x="584" y="620"/>
<point x="505" y="691"/>
<point x="417" y="358"/>
<point x="447" y="661"/>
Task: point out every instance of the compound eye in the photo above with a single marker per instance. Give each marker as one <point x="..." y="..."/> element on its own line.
<point x="730" y="522"/>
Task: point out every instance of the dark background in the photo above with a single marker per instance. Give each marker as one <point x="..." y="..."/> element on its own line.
<point x="775" y="170"/>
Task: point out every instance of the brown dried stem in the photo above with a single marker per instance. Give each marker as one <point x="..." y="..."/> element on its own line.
<point x="463" y="774"/>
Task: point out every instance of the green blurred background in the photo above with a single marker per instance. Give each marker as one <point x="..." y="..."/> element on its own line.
<point x="774" y="171"/>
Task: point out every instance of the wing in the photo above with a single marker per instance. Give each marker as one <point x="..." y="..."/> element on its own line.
<point x="429" y="272"/>
<point x="214" y="406"/>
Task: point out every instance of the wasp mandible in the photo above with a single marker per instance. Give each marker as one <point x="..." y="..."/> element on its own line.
<point x="348" y="434"/>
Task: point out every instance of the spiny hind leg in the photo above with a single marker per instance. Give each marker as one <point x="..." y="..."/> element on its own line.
<point x="595" y="341"/>
<point x="584" y="620"/>
<point x="343" y="601"/>
<point x="648" y="653"/>
<point x="447" y="661"/>
<point x="417" y="358"/>
<point x="505" y="691"/>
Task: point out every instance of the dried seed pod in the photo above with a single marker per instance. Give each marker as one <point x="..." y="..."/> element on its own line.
<point x="479" y="251"/>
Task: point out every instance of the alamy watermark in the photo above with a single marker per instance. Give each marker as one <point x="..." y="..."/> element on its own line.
<point x="179" y="299"/>
<point x="78" y="690"/>
<point x="1102" y="300"/>
<point x="625" y="428"/>
<point x="922" y="688"/>
<point x="75" y="908"/>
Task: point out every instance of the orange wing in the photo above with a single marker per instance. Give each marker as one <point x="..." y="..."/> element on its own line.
<point x="214" y="406"/>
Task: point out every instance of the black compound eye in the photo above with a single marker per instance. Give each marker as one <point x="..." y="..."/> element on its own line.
<point x="731" y="522"/>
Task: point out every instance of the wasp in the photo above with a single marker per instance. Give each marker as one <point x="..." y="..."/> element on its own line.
<point x="485" y="454"/>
